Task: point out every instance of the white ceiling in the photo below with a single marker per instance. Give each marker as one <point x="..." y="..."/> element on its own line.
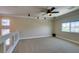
<point x="22" y="11"/>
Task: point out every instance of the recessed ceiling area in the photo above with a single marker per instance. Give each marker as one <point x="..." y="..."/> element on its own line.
<point x="35" y="11"/>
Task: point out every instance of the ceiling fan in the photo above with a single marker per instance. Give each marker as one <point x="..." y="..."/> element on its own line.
<point x="49" y="11"/>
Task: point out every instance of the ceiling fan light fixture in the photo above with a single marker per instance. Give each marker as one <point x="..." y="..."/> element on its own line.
<point x="49" y="14"/>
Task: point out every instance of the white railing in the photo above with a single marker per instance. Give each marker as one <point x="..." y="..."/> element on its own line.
<point x="9" y="41"/>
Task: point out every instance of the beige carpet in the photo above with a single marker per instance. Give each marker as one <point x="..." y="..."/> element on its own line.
<point x="46" y="45"/>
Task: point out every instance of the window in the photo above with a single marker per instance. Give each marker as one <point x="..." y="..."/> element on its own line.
<point x="5" y="31"/>
<point x="5" y="22"/>
<point x="70" y="27"/>
<point x="75" y="26"/>
<point x="7" y="41"/>
<point x="66" y="27"/>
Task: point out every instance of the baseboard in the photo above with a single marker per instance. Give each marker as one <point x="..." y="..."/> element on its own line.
<point x="35" y="37"/>
<point x="73" y="41"/>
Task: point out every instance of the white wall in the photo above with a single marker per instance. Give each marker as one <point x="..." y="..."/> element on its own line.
<point x="65" y="18"/>
<point x="30" y="28"/>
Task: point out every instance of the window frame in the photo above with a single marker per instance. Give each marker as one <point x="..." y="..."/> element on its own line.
<point x="61" y="27"/>
<point x="70" y="26"/>
<point x="5" y="22"/>
<point x="5" y="31"/>
<point x="75" y="25"/>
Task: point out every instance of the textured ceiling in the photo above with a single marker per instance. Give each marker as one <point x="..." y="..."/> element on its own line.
<point x="34" y="10"/>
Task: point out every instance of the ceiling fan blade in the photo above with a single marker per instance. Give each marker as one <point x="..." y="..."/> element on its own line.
<point x="52" y="8"/>
<point x="55" y="12"/>
<point x="49" y="10"/>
